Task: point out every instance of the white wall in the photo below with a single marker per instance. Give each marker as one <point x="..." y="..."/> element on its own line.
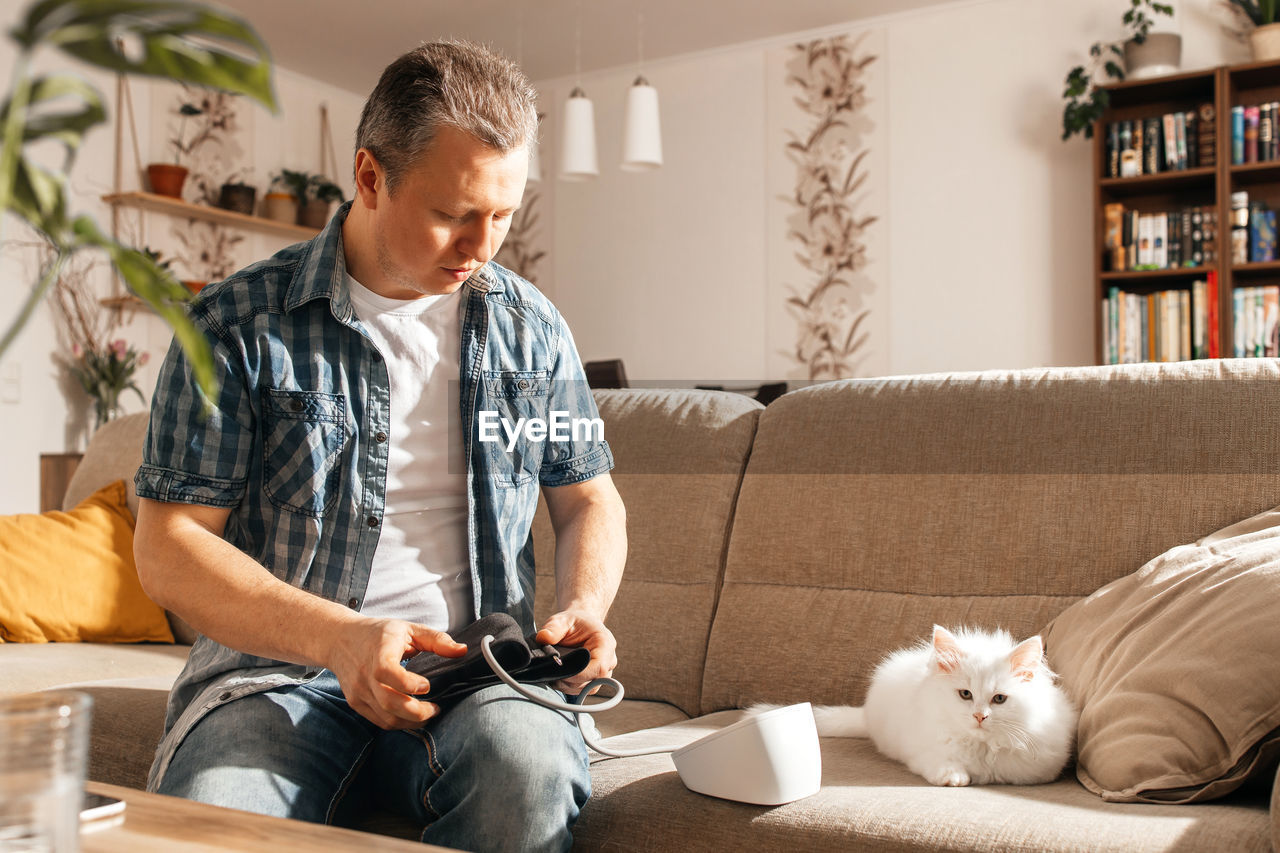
<point x="50" y="416"/>
<point x="988" y="215"/>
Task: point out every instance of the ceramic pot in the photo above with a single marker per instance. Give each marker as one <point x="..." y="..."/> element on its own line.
<point x="1160" y="53"/>
<point x="314" y="214"/>
<point x="237" y="197"/>
<point x="1265" y="42"/>
<point x="166" y="179"/>
<point x="282" y="207"/>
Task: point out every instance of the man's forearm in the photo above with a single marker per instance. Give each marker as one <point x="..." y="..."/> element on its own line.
<point x="188" y="568"/>
<point x="591" y="551"/>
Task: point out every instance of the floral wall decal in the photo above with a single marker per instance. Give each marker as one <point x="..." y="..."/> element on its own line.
<point x="832" y="127"/>
<point x="210" y="131"/>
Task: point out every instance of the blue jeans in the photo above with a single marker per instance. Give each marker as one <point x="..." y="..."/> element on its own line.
<point x="494" y="772"/>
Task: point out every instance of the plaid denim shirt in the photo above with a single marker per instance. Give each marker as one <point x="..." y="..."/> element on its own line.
<point x="295" y="443"/>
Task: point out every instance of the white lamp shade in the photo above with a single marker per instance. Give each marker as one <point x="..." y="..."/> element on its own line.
<point x="578" y="147"/>
<point x="535" y="164"/>
<point x="642" y="138"/>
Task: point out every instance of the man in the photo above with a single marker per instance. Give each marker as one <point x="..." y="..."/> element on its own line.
<point x="332" y="512"/>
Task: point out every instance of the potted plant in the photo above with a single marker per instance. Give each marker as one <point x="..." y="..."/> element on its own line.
<point x="168" y="178"/>
<point x="1259" y="18"/>
<point x="321" y="194"/>
<point x="1144" y="54"/>
<point x="313" y="195"/>
<point x="281" y="201"/>
<point x="236" y="195"/>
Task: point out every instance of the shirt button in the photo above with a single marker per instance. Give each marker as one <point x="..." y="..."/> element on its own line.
<point x="297" y="405"/>
<point x="225" y="696"/>
<point x="353" y="603"/>
<point x="373" y="521"/>
<point x="380" y="437"/>
<point x="523" y="384"/>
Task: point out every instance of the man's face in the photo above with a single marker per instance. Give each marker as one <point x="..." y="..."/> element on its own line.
<point x="447" y="216"/>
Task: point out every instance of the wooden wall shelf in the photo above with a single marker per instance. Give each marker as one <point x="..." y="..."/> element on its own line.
<point x="178" y="208"/>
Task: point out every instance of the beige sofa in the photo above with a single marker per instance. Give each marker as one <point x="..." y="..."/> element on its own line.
<point x="776" y="554"/>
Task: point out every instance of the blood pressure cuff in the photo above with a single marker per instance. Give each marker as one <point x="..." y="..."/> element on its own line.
<point x="522" y="657"/>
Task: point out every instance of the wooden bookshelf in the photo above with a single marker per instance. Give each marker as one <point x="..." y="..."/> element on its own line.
<point x="178" y="208"/>
<point x="1209" y="187"/>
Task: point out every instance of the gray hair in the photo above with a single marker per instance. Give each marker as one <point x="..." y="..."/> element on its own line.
<point x="446" y="84"/>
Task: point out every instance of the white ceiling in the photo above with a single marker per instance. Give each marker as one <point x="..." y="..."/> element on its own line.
<point x="347" y="43"/>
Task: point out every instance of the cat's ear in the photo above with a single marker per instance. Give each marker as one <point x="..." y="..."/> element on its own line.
<point x="945" y="649"/>
<point x="1025" y="659"/>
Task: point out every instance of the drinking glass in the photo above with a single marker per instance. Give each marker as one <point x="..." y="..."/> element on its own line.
<point x="44" y="740"/>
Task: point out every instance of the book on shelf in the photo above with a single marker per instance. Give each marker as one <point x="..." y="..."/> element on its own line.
<point x="1255" y="321"/>
<point x="1173" y="239"/>
<point x="1168" y="142"/>
<point x="1163" y="325"/>
<point x="1255" y="132"/>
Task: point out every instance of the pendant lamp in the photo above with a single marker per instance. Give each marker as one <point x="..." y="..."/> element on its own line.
<point x="642" y="137"/>
<point x="578" y="148"/>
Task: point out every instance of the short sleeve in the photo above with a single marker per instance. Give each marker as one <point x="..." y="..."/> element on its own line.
<point x="198" y="449"/>
<point x="585" y="453"/>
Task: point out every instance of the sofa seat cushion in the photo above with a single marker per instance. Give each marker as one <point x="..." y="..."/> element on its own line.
<point x="634" y="715"/>
<point x="25" y="667"/>
<point x="868" y="802"/>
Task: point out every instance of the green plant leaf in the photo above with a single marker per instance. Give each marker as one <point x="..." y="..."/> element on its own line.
<point x="164" y="293"/>
<point x="63" y="107"/>
<point x="180" y="41"/>
<point x="38" y="198"/>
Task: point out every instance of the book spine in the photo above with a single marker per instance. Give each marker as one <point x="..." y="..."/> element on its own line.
<point x="1113" y="299"/>
<point x="1184" y="325"/>
<point x="1160" y="241"/>
<point x="1264" y="132"/>
<point x="1199" y="318"/>
<point x="1114" y="150"/>
<point x="1207" y="130"/>
<point x="1251" y="134"/>
<point x="1146" y="231"/>
<point x="1191" y="123"/>
<point x="1170" y="134"/>
<point x="1237" y="135"/>
<point x="1180" y="133"/>
<point x="1211" y="297"/>
<point x="1197" y="236"/>
<point x="1240" y="227"/>
<point x="1237" y="322"/>
<point x="1257" y="322"/>
<point x="1106" y="330"/>
<point x="1271" y="326"/>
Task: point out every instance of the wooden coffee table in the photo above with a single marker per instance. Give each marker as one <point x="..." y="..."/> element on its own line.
<point x="154" y="822"/>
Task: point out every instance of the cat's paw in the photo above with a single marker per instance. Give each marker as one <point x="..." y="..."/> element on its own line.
<point x="950" y="777"/>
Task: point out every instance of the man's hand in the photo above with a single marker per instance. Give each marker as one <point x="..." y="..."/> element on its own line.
<point x="580" y="628"/>
<point x="366" y="659"/>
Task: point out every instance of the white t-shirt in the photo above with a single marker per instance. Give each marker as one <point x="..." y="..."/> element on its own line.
<point x="420" y="569"/>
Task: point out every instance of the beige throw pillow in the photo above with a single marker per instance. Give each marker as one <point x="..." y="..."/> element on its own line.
<point x="1176" y="669"/>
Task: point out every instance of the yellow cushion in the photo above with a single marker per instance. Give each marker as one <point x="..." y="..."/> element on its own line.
<point x="69" y="577"/>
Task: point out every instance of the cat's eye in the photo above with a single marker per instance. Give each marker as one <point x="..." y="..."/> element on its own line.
<point x="998" y="699"/>
<point x="966" y="695"/>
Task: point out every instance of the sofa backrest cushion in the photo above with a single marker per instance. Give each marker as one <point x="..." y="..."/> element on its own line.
<point x="872" y="509"/>
<point x="114" y="453"/>
<point x="679" y="457"/>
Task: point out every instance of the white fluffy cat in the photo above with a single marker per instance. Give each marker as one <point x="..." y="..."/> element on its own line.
<point x="970" y="707"/>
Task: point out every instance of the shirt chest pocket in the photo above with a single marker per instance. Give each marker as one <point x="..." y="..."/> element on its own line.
<point x="510" y="437"/>
<point x="303" y="433"/>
